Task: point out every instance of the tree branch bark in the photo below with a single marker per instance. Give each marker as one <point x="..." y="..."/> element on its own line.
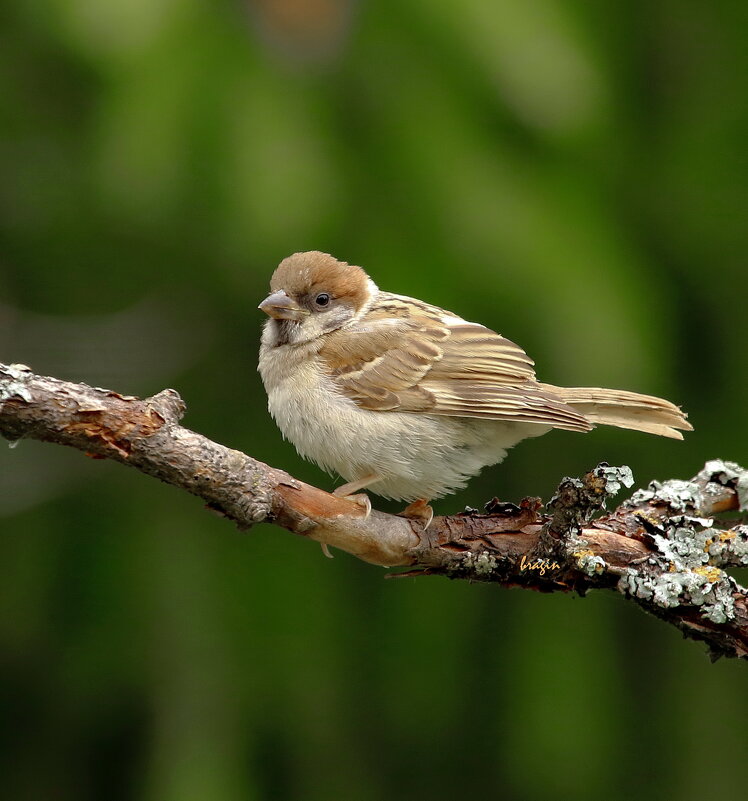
<point x="663" y="548"/>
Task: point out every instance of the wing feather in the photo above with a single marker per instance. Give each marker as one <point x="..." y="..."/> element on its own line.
<point x="419" y="358"/>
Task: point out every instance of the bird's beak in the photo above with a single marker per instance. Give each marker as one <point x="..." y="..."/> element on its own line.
<point x="281" y="307"/>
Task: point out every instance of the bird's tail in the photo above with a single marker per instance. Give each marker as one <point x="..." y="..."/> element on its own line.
<point x="617" y="407"/>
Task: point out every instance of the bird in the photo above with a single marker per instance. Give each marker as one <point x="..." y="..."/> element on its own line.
<point x="405" y="399"/>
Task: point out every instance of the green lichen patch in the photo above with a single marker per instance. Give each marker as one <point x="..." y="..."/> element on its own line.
<point x="712" y="592"/>
<point x="686" y="541"/>
<point x="729" y="547"/>
<point x="682" y="571"/>
<point x="590" y="564"/>
<point x="481" y="563"/>
<point x="680" y="496"/>
<point x="615" y="477"/>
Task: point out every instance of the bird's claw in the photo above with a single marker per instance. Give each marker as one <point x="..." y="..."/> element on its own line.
<point x="362" y="500"/>
<point x="326" y="550"/>
<point x="419" y="510"/>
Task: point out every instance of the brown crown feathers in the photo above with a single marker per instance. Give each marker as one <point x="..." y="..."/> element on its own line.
<point x="308" y="273"/>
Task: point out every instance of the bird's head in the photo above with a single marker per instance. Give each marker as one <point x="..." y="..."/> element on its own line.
<point x="313" y="293"/>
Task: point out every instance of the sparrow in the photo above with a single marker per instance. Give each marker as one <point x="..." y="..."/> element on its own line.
<point x="406" y="399"/>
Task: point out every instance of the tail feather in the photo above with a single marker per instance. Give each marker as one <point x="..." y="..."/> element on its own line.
<point x="617" y="407"/>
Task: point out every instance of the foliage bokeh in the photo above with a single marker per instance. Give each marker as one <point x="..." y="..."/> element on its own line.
<point x="570" y="174"/>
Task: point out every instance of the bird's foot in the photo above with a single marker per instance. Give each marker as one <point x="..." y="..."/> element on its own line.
<point x="419" y="510"/>
<point x="361" y="499"/>
<point x="350" y="492"/>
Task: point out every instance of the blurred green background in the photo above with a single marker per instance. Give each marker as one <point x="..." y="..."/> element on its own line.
<point x="571" y="174"/>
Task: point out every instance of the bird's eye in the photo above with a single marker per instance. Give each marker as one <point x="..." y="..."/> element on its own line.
<point x="322" y="299"/>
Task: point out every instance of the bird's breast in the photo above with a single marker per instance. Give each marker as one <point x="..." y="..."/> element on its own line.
<point x="303" y="402"/>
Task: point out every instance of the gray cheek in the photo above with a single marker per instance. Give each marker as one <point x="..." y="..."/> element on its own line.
<point x="290" y="332"/>
<point x="335" y="318"/>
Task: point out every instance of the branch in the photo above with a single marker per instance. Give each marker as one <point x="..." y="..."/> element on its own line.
<point x="662" y="549"/>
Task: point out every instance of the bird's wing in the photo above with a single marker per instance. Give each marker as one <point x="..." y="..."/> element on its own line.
<point x="423" y="359"/>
